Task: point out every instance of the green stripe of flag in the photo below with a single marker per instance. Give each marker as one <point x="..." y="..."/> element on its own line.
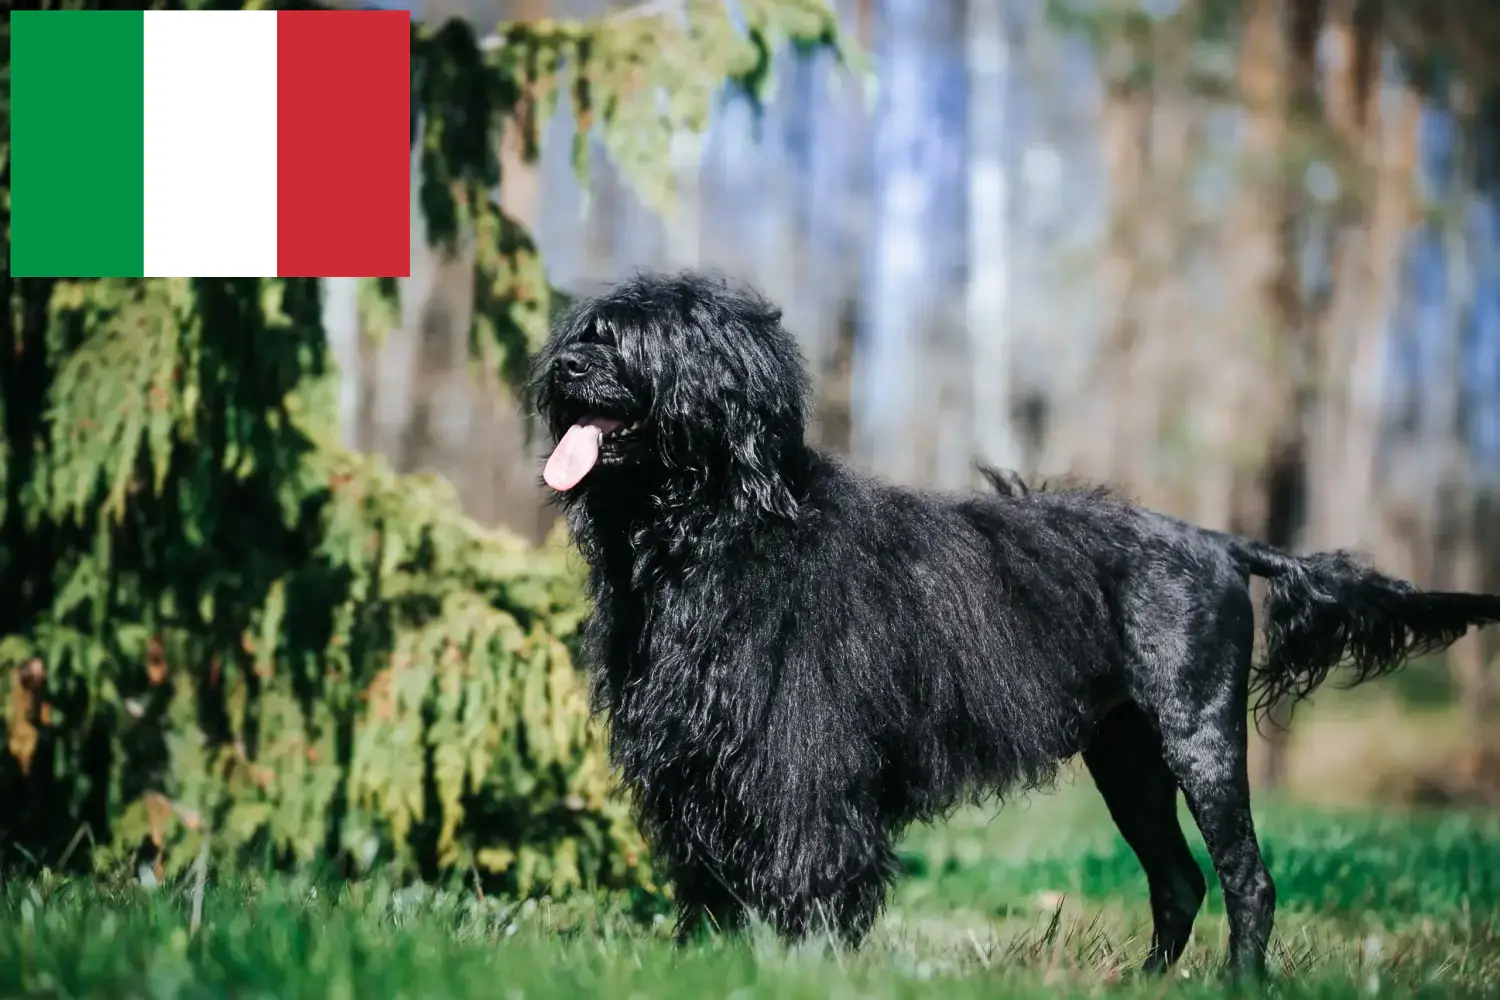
<point x="77" y="131"/>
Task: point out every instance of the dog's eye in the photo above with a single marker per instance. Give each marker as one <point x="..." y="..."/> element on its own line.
<point x="598" y="332"/>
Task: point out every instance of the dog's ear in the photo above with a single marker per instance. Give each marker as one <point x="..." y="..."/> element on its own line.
<point x="760" y="455"/>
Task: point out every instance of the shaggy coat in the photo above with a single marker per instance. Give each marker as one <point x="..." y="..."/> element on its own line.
<point x="797" y="661"/>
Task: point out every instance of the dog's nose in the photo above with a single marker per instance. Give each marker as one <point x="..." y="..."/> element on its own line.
<point x="570" y="367"/>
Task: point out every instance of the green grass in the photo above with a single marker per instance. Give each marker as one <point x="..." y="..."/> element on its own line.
<point x="1041" y="900"/>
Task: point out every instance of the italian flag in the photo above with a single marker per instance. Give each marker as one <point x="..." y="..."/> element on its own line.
<point x="210" y="143"/>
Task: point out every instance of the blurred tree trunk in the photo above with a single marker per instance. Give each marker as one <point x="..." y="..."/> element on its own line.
<point x="944" y="422"/>
<point x="836" y="205"/>
<point x="1464" y="551"/>
<point x="1254" y="384"/>
<point x="497" y="463"/>
<point x="391" y="369"/>
<point x="1460" y="533"/>
<point x="911" y="323"/>
<point x="343" y="328"/>
<point x="1100" y="437"/>
<point x="421" y="403"/>
<point x="1478" y="674"/>
<point x="1341" y="348"/>
<point x="771" y="224"/>
<point x="990" y="318"/>
<point x="1376" y="124"/>
<point x="1338" y="350"/>
<point x="1150" y="397"/>
<point x="1278" y="83"/>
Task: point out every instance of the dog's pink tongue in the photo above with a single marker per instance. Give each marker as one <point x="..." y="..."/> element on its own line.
<point x="576" y="453"/>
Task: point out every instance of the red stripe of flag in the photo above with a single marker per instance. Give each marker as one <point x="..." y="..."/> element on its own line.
<point x="343" y="106"/>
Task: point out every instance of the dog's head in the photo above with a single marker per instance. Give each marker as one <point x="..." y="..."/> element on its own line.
<point x="672" y="383"/>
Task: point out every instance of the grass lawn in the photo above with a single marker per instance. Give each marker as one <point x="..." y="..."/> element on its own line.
<point x="1041" y="899"/>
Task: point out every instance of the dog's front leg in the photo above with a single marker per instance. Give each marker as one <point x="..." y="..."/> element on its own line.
<point x="835" y="882"/>
<point x="706" y="903"/>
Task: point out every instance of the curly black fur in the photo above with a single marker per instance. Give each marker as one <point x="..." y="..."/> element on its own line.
<point x="797" y="661"/>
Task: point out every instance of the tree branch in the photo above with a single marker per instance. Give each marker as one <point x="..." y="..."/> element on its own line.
<point x="646" y="8"/>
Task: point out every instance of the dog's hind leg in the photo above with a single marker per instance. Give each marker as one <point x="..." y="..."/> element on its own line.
<point x="1125" y="759"/>
<point x="1200" y="702"/>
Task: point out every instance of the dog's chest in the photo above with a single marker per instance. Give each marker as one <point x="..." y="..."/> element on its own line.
<point x="690" y="679"/>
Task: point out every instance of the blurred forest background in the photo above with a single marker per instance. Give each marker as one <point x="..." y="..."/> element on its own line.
<point x="1240" y="258"/>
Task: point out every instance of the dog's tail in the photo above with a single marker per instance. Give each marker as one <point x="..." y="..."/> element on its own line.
<point x="1326" y="609"/>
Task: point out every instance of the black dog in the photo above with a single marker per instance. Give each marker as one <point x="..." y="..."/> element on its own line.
<point x="798" y="661"/>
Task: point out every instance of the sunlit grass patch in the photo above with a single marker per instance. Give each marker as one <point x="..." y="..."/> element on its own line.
<point x="1042" y="900"/>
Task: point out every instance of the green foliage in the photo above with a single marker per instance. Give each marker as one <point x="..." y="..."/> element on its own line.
<point x="647" y="73"/>
<point x="1126" y="36"/>
<point x="223" y="635"/>
<point x="221" y="625"/>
